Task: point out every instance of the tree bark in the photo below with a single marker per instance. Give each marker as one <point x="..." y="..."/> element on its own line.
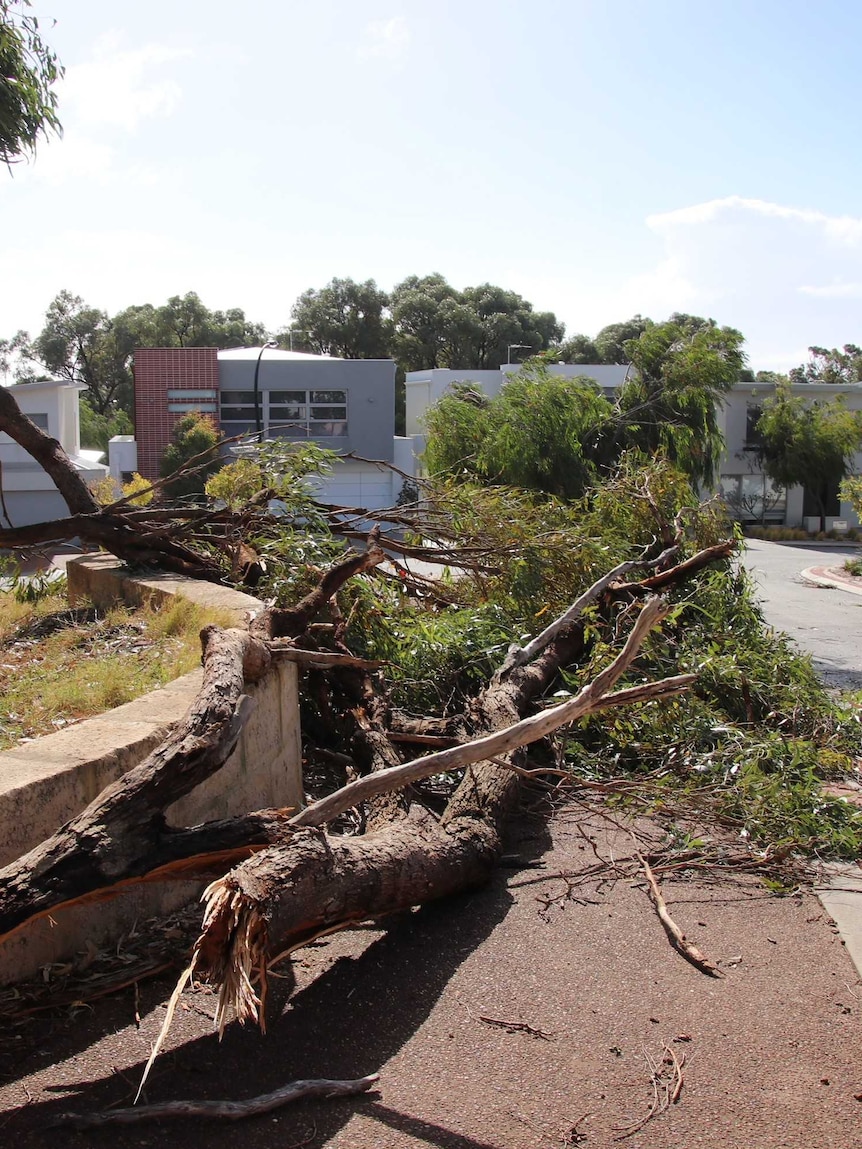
<point x="123" y="833"/>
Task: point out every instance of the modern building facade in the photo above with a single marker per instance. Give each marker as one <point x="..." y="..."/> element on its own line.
<point x="346" y="405"/>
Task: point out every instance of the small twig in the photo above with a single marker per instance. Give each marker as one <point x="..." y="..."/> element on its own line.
<point x="513" y="1026"/>
<point x="676" y="937"/>
<point x="226" y="1110"/>
<point x="670" y="1089"/>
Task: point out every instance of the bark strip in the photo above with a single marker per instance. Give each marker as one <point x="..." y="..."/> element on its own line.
<point x="221" y="1110"/>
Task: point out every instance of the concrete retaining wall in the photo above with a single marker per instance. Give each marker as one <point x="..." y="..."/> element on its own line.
<point x="46" y="782"/>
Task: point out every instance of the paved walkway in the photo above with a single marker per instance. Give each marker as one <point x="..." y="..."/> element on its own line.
<point x="535" y="1012"/>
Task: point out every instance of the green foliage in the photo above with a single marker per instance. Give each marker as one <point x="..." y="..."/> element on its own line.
<point x="838" y="365"/>
<point x="97" y="430"/>
<point x="139" y="491"/>
<point x="811" y="444"/>
<point x="236" y="483"/>
<point x="344" y="318"/>
<point x="435" y="325"/>
<point x="681" y="370"/>
<point x="29" y="70"/>
<point x="542" y="432"/>
<point x="85" y="345"/>
<point x="194" y="443"/>
<point x="851" y="492"/>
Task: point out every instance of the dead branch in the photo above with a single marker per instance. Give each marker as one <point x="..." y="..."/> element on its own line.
<point x="223" y="1110"/>
<point x="666" y="1081"/>
<point x="289" y="623"/>
<point x="675" y="935"/>
<point x="587" y="700"/>
<point x="285" y="651"/>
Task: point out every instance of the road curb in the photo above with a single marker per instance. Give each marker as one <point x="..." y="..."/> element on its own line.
<point x="841" y="897"/>
<point x="814" y="576"/>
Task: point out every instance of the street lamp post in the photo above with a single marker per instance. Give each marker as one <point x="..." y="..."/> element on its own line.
<point x="515" y="347"/>
<point x="258" y="421"/>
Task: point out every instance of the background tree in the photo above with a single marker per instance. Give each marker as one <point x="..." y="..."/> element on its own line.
<point x="612" y="341"/>
<point x="842" y="365"/>
<point x="85" y="345"/>
<point x="344" y="318"/>
<point x="808" y="444"/>
<point x="28" y="71"/>
<point x="681" y="371"/>
<point x="609" y="346"/>
<point x="194" y="437"/>
<point x="435" y="325"/>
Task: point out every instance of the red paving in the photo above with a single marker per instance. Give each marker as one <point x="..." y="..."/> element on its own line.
<point x="772" y="1051"/>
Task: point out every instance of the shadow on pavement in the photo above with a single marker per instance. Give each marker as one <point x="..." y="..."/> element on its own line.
<point x="347" y="1022"/>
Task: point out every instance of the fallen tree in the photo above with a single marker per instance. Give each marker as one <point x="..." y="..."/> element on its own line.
<point x="283" y="878"/>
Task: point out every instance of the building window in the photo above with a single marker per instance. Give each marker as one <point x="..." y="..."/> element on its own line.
<point x="287" y="414"/>
<point x="191" y="393"/>
<point x="753" y="498"/>
<point x="206" y="408"/>
<point x="753" y="437"/>
<point x="40" y="418"/>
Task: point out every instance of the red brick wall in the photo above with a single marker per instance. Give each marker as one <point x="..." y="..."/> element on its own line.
<point x="157" y="369"/>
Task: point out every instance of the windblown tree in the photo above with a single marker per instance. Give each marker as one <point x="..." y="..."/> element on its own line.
<point x="836" y="365"/>
<point x="680" y="373"/>
<point x="399" y="661"/>
<point x="541" y="432"/>
<point x="29" y="69"/>
<point x="808" y="444"/>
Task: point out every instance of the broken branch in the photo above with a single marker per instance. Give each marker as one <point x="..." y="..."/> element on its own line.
<point x="677" y="938"/>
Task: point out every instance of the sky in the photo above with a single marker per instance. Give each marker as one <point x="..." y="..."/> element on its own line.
<point x="600" y="157"/>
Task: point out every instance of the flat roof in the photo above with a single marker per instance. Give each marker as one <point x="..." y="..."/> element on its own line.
<point x="270" y="354"/>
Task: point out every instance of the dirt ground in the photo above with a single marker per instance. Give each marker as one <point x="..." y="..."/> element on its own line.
<point x="528" y="1014"/>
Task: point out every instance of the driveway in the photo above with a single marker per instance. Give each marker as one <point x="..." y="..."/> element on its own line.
<point x="824" y="621"/>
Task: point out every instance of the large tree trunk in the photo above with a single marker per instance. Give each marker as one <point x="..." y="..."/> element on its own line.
<point x="123" y="834"/>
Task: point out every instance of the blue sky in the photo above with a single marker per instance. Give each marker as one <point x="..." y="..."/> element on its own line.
<point x="601" y="157"/>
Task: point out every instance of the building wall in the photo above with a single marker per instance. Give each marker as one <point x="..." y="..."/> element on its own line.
<point x="369" y="383"/>
<point x="29" y="494"/>
<point x="740" y="465"/>
<point x="159" y="370"/>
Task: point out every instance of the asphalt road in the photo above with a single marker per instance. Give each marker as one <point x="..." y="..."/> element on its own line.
<point x="825" y="622"/>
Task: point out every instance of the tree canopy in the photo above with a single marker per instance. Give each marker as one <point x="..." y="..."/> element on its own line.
<point x="542" y="432"/>
<point x="680" y="373"/>
<point x="28" y="71"/>
<point x="85" y="345"/>
<point x="194" y="441"/>
<point x="835" y="365"/>
<point x="344" y="318"/>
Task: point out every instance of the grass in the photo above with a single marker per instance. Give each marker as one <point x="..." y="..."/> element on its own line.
<point x="58" y="664"/>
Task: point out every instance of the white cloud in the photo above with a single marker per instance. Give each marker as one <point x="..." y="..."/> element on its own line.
<point x="833" y="290"/>
<point x="117" y="87"/>
<point x="385" y="40"/>
<point x="786" y="276"/>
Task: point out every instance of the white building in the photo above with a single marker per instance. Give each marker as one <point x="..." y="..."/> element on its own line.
<point x="29" y="495"/>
